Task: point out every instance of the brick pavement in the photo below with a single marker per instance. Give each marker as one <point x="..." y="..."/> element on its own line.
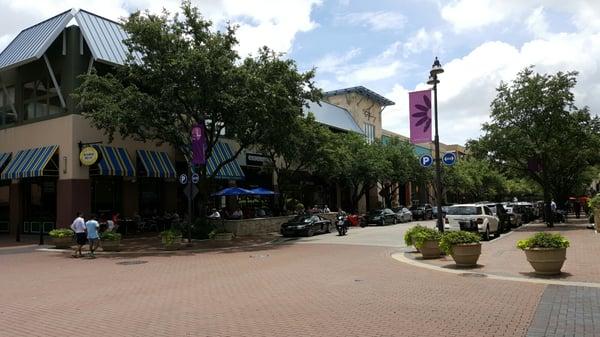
<point x="280" y="290"/>
<point x="567" y="311"/>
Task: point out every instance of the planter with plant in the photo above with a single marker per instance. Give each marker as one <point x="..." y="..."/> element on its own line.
<point x="546" y="252"/>
<point x="62" y="237"/>
<point x="594" y="204"/>
<point x="464" y="247"/>
<point x="220" y="234"/>
<point x="410" y="233"/>
<point x="427" y="240"/>
<point x="171" y="239"/>
<point x="110" y="241"/>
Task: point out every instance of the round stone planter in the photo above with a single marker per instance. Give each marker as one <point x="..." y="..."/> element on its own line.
<point x="223" y="237"/>
<point x="63" y="243"/>
<point x="546" y="261"/>
<point x="597" y="219"/>
<point x="430" y="249"/>
<point x="110" y="246"/>
<point x="466" y="254"/>
<point x="175" y="245"/>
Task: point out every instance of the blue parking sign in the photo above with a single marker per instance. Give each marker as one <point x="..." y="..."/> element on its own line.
<point x="426" y="160"/>
<point x="449" y="158"/>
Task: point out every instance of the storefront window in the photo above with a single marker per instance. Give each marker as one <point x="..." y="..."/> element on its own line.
<point x="40" y="205"/>
<point x="41" y="99"/>
<point x="4" y="207"/>
<point x="7" y="99"/>
<point x="107" y="195"/>
<point x="151" y="191"/>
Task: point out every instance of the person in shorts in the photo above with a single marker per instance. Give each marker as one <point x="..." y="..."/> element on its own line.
<point x="93" y="237"/>
<point x="78" y="226"/>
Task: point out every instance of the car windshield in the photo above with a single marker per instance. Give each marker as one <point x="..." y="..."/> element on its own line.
<point x="464" y="210"/>
<point x="376" y="212"/>
<point x="301" y="218"/>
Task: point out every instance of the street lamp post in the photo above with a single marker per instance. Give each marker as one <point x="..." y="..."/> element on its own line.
<point x="437" y="69"/>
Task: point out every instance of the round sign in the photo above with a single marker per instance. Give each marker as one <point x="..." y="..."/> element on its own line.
<point x="195" y="178"/>
<point x="88" y="156"/>
<point x="183" y="179"/>
<point x="426" y="160"/>
<point x="449" y="158"/>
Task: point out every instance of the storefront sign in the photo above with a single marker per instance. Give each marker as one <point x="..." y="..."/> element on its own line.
<point x="253" y="159"/>
<point x="88" y="156"/>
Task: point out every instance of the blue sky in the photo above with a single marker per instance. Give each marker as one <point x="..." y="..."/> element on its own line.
<point x="389" y="45"/>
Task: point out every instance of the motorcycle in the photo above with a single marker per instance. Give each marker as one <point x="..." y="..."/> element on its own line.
<point x="341" y="224"/>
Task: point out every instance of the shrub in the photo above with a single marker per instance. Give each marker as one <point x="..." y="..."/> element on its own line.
<point x="425" y="234"/>
<point x="543" y="240"/>
<point x="408" y="236"/>
<point x="217" y="231"/>
<point x="61" y="233"/>
<point x="450" y="239"/>
<point x="110" y="236"/>
<point x="594" y="202"/>
<point x="170" y="235"/>
<point x="201" y="228"/>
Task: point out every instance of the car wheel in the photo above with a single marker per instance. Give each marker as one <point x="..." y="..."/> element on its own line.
<point x="310" y="232"/>
<point x="394" y="220"/>
<point x="486" y="235"/>
<point x="382" y="222"/>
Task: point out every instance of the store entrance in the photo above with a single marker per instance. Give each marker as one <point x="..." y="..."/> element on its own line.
<point x="39" y="209"/>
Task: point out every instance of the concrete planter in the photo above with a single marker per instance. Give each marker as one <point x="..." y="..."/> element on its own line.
<point x="175" y="245"/>
<point x="110" y="246"/>
<point x="430" y="249"/>
<point x="466" y="254"/>
<point x="223" y="237"/>
<point x="597" y="219"/>
<point x="62" y="243"/>
<point x="546" y="261"/>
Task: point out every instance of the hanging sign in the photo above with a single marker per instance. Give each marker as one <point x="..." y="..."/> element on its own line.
<point x="88" y="156"/>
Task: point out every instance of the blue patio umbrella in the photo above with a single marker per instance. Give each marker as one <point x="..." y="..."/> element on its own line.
<point x="232" y="191"/>
<point x="262" y="191"/>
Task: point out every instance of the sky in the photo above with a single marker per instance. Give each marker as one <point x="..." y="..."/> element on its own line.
<point x="389" y="45"/>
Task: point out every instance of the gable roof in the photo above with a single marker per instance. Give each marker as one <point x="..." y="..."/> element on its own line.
<point x="363" y="91"/>
<point x="333" y="116"/>
<point x="103" y="36"/>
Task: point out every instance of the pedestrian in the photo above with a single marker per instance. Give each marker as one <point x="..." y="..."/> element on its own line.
<point x="577" y="208"/>
<point x="91" y="227"/>
<point x="78" y="226"/>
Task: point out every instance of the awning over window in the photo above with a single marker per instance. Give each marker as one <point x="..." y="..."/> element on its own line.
<point x="157" y="164"/>
<point x="3" y="160"/>
<point x="31" y="163"/>
<point x="114" y="161"/>
<point x="220" y="153"/>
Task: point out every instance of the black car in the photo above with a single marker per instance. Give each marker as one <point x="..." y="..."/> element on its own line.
<point x="504" y="219"/>
<point x="422" y="212"/>
<point x="382" y="216"/>
<point x="307" y="225"/>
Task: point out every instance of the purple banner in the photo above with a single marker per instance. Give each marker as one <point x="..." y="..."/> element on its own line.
<point x="419" y="109"/>
<point x="198" y="145"/>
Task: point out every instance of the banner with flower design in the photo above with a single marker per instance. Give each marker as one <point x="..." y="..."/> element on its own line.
<point x="420" y="116"/>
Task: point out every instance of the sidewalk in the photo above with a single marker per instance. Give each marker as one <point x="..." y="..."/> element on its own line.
<point x="501" y="257"/>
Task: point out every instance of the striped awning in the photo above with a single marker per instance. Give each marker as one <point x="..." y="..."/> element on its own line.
<point x="29" y="163"/>
<point x="3" y="160"/>
<point x="220" y="153"/>
<point x="157" y="164"/>
<point x="114" y="161"/>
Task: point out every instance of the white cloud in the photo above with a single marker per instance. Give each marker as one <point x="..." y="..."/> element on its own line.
<point x="470" y="14"/>
<point x="536" y="23"/>
<point x="421" y="41"/>
<point x="375" y="20"/>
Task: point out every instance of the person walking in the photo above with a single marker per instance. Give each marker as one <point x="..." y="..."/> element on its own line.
<point x="91" y="227"/>
<point x="78" y="226"/>
<point x="577" y="208"/>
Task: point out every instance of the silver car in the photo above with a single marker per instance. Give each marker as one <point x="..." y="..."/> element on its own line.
<point x="403" y="214"/>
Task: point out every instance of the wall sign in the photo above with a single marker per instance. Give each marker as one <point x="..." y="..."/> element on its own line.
<point x="253" y="159"/>
<point x="88" y="156"/>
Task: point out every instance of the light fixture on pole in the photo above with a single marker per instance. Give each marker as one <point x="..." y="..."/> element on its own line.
<point x="437" y="69"/>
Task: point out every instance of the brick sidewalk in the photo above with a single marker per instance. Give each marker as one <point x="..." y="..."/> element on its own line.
<point x="279" y="290"/>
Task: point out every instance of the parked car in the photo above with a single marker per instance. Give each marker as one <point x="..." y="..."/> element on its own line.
<point x="381" y="217"/>
<point x="503" y="217"/>
<point x="434" y="211"/>
<point x="516" y="218"/>
<point x="306" y="224"/>
<point x="403" y="214"/>
<point x="423" y="212"/>
<point x="472" y="217"/>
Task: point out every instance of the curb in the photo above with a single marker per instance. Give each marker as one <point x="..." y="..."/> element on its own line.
<point x="401" y="257"/>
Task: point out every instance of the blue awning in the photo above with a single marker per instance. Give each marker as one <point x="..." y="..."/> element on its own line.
<point x="157" y="164"/>
<point x="29" y="163"/>
<point x="3" y="160"/>
<point x="114" y="161"/>
<point x="220" y="153"/>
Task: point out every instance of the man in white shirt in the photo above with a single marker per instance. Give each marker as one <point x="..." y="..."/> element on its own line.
<point x="78" y="226"/>
<point x="215" y="214"/>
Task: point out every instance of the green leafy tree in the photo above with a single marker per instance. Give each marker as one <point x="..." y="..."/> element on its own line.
<point x="404" y="166"/>
<point x="471" y="180"/>
<point x="537" y="132"/>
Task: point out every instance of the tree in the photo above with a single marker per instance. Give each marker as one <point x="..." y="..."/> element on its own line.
<point x="537" y="132"/>
<point x="180" y="73"/>
<point x="471" y="180"/>
<point x="404" y="166"/>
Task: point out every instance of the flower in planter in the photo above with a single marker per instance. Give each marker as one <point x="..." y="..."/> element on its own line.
<point x="110" y="236"/>
<point x="449" y="239"/>
<point x="170" y="236"/>
<point x="425" y="234"/>
<point x="543" y="240"/>
<point x="410" y="233"/>
<point x="61" y="233"/>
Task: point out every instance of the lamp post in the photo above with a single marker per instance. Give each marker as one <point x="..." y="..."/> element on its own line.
<point x="437" y="69"/>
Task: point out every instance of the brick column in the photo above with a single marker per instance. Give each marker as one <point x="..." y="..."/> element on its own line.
<point x="72" y="195"/>
<point x="16" y="208"/>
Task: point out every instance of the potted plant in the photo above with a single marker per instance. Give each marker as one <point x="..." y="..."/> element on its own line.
<point x="427" y="240"/>
<point x="409" y="235"/>
<point x="546" y="252"/>
<point x="171" y="239"/>
<point x="110" y="241"/>
<point x="464" y="247"/>
<point x="220" y="234"/>
<point x="594" y="204"/>
<point x="62" y="237"/>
